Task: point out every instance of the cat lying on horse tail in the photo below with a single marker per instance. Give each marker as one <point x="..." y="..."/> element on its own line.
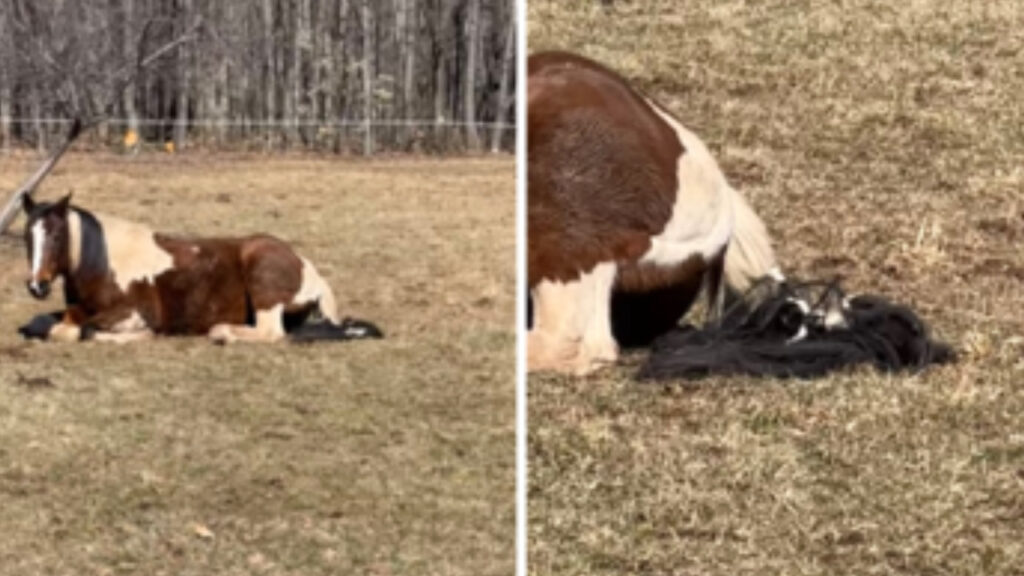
<point x="124" y="282"/>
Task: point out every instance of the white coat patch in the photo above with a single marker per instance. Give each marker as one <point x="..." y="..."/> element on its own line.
<point x="702" y="217"/>
<point x="132" y="252"/>
<point x="312" y="285"/>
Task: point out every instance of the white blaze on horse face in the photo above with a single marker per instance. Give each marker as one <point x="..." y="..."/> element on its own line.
<point x="38" y="245"/>
<point x="132" y="252"/>
<point x="702" y="216"/>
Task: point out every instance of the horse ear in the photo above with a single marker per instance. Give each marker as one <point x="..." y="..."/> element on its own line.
<point x="62" y="205"/>
<point x="28" y="204"/>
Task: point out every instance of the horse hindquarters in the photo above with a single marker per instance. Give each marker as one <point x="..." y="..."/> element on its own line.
<point x="271" y="274"/>
<point x="283" y="289"/>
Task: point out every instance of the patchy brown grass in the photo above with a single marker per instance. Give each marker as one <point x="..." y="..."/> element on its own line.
<point x="179" y="457"/>
<point x="880" y="141"/>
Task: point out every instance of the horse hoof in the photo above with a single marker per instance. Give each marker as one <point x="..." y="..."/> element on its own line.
<point x="548" y="354"/>
<point x="603" y="351"/>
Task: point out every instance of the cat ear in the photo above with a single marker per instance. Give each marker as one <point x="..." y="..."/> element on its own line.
<point x="28" y="204"/>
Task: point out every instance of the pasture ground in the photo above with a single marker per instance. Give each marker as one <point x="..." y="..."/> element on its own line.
<point x="883" y="141"/>
<point x="180" y="457"/>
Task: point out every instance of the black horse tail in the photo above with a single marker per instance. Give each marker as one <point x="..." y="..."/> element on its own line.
<point x="346" y="329"/>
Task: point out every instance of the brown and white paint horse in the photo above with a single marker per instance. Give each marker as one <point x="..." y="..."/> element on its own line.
<point x="125" y="282"/>
<point x="629" y="215"/>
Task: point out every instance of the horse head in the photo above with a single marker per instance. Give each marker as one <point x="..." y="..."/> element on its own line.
<point x="46" y="239"/>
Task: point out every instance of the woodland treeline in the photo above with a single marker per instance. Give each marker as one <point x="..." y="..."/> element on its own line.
<point x="351" y="76"/>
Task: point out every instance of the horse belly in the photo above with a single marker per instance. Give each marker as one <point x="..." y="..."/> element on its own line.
<point x="649" y="300"/>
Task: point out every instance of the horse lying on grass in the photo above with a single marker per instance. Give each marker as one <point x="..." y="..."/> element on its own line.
<point x="124" y="282"/>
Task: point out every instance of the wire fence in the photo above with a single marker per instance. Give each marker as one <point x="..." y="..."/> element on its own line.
<point x="341" y="136"/>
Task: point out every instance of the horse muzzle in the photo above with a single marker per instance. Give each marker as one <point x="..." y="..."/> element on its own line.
<point x="39" y="289"/>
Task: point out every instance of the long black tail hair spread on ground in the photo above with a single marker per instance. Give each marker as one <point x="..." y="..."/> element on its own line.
<point x="798" y="330"/>
<point x="305" y="331"/>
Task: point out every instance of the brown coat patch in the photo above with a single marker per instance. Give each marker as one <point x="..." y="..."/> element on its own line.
<point x="217" y="280"/>
<point x="601" y="168"/>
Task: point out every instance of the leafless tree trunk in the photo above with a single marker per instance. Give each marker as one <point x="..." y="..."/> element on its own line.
<point x="441" y="73"/>
<point x="6" y="79"/>
<point x="469" y="89"/>
<point x="128" y="32"/>
<point x="508" y="62"/>
<point x="369" y="73"/>
<point x="408" y="43"/>
<point x="37" y="118"/>
<point x="269" y="72"/>
<point x="5" y="112"/>
<point x="293" y="97"/>
<point x="184" y="82"/>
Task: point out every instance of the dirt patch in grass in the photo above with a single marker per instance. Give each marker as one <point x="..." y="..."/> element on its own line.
<point x="882" y="142"/>
<point x="374" y="457"/>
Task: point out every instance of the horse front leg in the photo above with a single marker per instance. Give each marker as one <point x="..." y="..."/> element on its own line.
<point x="117" y="325"/>
<point x="572" y="324"/>
<point x="61" y="326"/>
<point x="269" y="327"/>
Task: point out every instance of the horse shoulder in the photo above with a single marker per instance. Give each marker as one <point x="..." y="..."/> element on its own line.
<point x="133" y="253"/>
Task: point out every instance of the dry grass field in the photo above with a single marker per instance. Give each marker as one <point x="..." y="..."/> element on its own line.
<point x="179" y="457"/>
<point x="882" y="141"/>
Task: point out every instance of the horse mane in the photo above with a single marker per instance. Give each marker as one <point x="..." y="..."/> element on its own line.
<point x="93" y="245"/>
<point x="749" y="256"/>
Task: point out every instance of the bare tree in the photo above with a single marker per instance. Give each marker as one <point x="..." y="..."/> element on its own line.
<point x="261" y="70"/>
<point x="7" y="62"/>
<point x="184" y="83"/>
<point x="469" y="87"/>
<point x="269" y="71"/>
<point x="508" y="61"/>
<point x="128" y="42"/>
<point x="369" y="73"/>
